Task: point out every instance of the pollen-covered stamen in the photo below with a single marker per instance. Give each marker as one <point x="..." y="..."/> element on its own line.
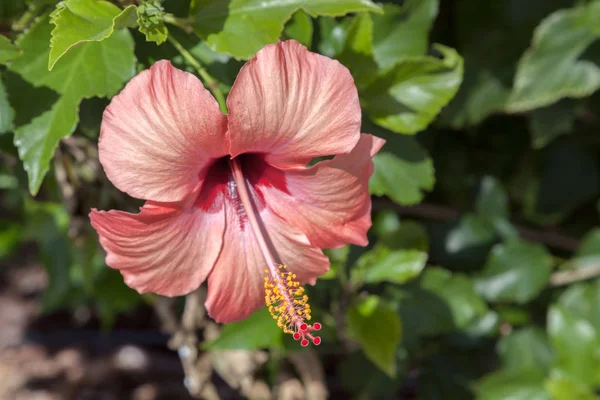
<point x="288" y="304"/>
<point x="284" y="296"/>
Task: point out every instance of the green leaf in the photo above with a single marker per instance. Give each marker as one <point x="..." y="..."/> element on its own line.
<point x="7" y="114"/>
<point x="516" y="271"/>
<point x="384" y="265"/>
<point x="513" y="385"/>
<point x="588" y="252"/>
<point x="377" y="327"/>
<point x="333" y="35"/>
<point x="458" y="293"/>
<point x="79" y="21"/>
<point x="37" y="140"/>
<point x="27" y="100"/>
<point x="357" y="53"/>
<point x="402" y="32"/>
<point x="492" y="205"/>
<point x="257" y="331"/>
<point x="471" y="231"/>
<point x="576" y="343"/>
<point x="92" y="69"/>
<point x="548" y="123"/>
<point x="10" y="236"/>
<point x="492" y="201"/>
<point x="562" y="388"/>
<point x="399" y="235"/>
<point x="525" y="349"/>
<point x="242" y="27"/>
<point x="550" y="68"/>
<point x="408" y="97"/>
<point x="505" y="26"/>
<point x="337" y="258"/>
<point x="300" y="28"/>
<point x="583" y="301"/>
<point x="480" y="95"/>
<point x="149" y="15"/>
<point x="423" y="312"/>
<point x="8" y="51"/>
<point x="403" y="178"/>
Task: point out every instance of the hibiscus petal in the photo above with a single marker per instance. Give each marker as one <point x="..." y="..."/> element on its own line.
<point x="159" y="133"/>
<point x="293" y="105"/>
<point x="162" y="250"/>
<point x="236" y="283"/>
<point x="330" y="201"/>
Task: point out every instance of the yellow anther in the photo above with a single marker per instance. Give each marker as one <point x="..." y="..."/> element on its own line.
<point x="286" y="300"/>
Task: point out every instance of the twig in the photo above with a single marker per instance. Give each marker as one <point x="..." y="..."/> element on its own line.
<point x="443" y="213"/>
<point x="561" y="278"/>
<point x="182" y="23"/>
<point x="311" y="373"/>
<point x="211" y="82"/>
<point x="197" y="369"/>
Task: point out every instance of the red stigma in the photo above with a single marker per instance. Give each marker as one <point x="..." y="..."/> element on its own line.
<point x="296" y="336"/>
<point x="317" y="340"/>
<point x="304" y="343"/>
<point x="303" y="327"/>
<point x="317" y="326"/>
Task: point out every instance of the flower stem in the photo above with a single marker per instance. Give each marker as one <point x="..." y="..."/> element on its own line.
<point x="210" y="82"/>
<point x="182" y="23"/>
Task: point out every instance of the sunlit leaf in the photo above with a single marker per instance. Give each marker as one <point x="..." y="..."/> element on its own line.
<point x="78" y="21"/>
<point x="402" y="32"/>
<point x="92" y="69"/>
<point x="242" y="27"/>
<point x="550" y="122"/>
<point x="357" y="53"/>
<point x="576" y="343"/>
<point x="382" y="264"/>
<point x="410" y="95"/>
<point x="149" y="20"/>
<point x="333" y="35"/>
<point x="551" y="68"/>
<point x="561" y="388"/>
<point x="492" y="205"/>
<point x="515" y="271"/>
<point x="300" y="28"/>
<point x="378" y="329"/>
<point x="8" y="51"/>
<point x="255" y="332"/>
<point x="403" y="178"/>
<point x="457" y="291"/>
<point x="7" y="113"/>
<point x="525" y="349"/>
<point x="513" y="385"/>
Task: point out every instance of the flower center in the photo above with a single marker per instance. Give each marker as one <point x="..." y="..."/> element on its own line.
<point x="285" y="299"/>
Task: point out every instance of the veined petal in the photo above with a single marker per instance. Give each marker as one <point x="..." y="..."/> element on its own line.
<point x="163" y="250"/>
<point x="330" y="201"/>
<point x="159" y="133"/>
<point x="293" y="105"/>
<point x="235" y="285"/>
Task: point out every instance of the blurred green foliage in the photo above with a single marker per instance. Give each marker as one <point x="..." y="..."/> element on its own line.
<point x="485" y="196"/>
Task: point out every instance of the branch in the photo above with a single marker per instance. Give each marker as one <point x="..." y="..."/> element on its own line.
<point x="236" y="367"/>
<point x="196" y="367"/>
<point x="566" y="277"/>
<point x="442" y="213"/>
<point x="311" y="373"/>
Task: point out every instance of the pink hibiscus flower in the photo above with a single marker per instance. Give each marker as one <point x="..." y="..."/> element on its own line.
<point x="229" y="197"/>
